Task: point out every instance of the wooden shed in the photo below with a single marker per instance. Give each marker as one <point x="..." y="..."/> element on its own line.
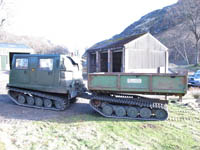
<point x="140" y="53"/>
<point x="8" y="50"/>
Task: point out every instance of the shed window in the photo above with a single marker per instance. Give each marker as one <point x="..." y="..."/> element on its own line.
<point x="21" y="63"/>
<point x="46" y="64"/>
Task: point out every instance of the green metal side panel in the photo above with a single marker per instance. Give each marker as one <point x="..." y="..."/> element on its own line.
<point x="136" y="83"/>
<point x="103" y="82"/>
<point x="3" y="62"/>
<point x="161" y="84"/>
<point x="174" y="84"/>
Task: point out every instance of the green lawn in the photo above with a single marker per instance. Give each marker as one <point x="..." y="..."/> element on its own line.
<point x="180" y="132"/>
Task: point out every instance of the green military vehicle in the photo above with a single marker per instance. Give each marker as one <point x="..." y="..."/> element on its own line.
<point x="54" y="81"/>
<point x="44" y="81"/>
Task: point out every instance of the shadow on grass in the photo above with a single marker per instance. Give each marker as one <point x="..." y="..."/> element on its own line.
<point x="94" y="117"/>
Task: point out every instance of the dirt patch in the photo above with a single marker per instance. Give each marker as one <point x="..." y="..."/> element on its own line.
<point x="198" y="101"/>
<point x="192" y="99"/>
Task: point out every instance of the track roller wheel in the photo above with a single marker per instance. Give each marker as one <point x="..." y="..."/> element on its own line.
<point x="21" y="99"/>
<point x="30" y="100"/>
<point x="107" y="109"/>
<point x="60" y="105"/>
<point x="96" y="103"/>
<point x="145" y="113"/>
<point x="13" y="94"/>
<point x="38" y="101"/>
<point x="120" y="111"/>
<point x="132" y="112"/>
<point x="48" y="103"/>
<point x="161" y="114"/>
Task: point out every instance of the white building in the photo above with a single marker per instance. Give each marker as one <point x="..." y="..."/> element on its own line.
<point x="8" y="50"/>
<point x="141" y="53"/>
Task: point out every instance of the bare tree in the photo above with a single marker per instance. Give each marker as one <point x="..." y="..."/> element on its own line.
<point x="183" y="53"/>
<point x="191" y="11"/>
<point x="59" y="50"/>
<point x="1" y="7"/>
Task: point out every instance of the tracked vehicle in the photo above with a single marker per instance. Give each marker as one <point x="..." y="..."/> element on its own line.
<point x="54" y="81"/>
<point x="44" y="81"/>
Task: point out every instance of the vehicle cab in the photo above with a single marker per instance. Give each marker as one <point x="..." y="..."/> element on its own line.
<point x="47" y="73"/>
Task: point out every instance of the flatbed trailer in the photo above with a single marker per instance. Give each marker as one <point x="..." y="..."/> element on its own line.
<point x="116" y="94"/>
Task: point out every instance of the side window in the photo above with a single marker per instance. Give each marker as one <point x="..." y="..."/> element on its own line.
<point x="21" y="63"/>
<point x="46" y="64"/>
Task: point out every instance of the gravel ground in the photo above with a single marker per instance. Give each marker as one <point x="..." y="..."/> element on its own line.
<point x="10" y="112"/>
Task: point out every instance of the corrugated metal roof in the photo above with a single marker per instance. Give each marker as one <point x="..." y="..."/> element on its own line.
<point x="10" y="45"/>
<point x="115" y="43"/>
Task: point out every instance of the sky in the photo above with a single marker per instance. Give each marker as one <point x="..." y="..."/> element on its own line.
<point x="78" y="24"/>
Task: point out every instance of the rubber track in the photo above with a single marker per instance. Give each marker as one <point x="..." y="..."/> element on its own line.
<point x="64" y="102"/>
<point x="137" y="101"/>
<point x="154" y="100"/>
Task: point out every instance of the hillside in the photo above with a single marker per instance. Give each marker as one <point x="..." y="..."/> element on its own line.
<point x="170" y="26"/>
<point x="39" y="44"/>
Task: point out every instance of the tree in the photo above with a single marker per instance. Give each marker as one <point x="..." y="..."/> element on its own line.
<point x="191" y="11"/>
<point x="3" y="19"/>
<point x="58" y="50"/>
<point x="182" y="53"/>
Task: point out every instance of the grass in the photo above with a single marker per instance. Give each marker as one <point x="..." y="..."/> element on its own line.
<point x="180" y="132"/>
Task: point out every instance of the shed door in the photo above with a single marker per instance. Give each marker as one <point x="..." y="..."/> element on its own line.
<point x="20" y="71"/>
<point x="3" y="62"/>
<point x="117" y="62"/>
